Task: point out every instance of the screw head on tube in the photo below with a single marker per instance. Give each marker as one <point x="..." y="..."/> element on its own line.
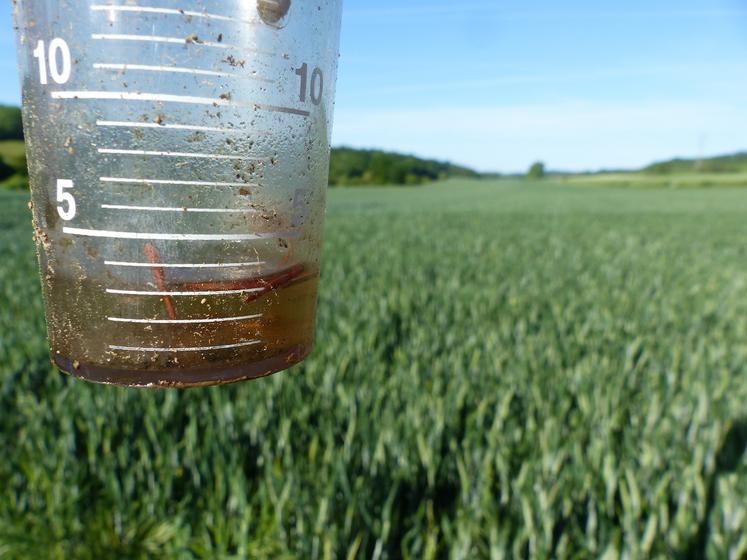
<point x="274" y="12"/>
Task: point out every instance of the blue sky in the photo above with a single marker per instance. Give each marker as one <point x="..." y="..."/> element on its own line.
<point x="499" y="84"/>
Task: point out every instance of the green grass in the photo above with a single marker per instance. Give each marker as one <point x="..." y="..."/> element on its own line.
<point x="502" y="370"/>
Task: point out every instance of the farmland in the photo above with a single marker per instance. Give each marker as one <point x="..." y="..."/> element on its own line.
<point x="503" y="369"/>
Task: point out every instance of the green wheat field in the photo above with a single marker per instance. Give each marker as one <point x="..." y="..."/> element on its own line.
<point x="503" y="369"/>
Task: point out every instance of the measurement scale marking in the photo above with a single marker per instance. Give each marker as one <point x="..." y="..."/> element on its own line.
<point x="177" y="70"/>
<point x="174" y="40"/>
<point x="170" y="182"/>
<point x="174" y="236"/>
<point x="140" y="124"/>
<point x="183" y="321"/>
<point x="176" y="209"/>
<point x="137" y="96"/>
<point x="183" y="294"/>
<point x="117" y="151"/>
<point x="168" y="11"/>
<point x="183" y="265"/>
<point x="196" y="349"/>
<point x="170" y="98"/>
<point x="278" y="109"/>
<point x="163" y="39"/>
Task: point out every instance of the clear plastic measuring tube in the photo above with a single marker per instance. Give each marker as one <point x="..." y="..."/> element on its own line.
<point x="178" y="154"/>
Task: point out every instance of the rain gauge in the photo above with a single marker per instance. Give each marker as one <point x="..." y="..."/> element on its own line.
<point x="178" y="156"/>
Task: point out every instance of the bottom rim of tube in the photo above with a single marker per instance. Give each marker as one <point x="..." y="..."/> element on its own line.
<point x="184" y="379"/>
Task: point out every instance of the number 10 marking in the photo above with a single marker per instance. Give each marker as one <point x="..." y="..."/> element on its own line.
<point x="59" y="68"/>
<point x="317" y="83"/>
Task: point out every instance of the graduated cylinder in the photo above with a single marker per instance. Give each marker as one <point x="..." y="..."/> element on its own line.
<point x="178" y="158"/>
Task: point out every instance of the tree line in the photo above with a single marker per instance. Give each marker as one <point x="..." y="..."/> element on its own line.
<point x="13" y="171"/>
<point x="351" y="167"/>
<point x="11" y="127"/>
<point x="733" y="163"/>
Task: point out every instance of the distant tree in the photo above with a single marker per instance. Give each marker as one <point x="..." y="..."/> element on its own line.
<point x="11" y="127"/>
<point x="536" y="170"/>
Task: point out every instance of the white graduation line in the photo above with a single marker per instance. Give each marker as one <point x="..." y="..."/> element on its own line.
<point x="183" y="294"/>
<point x="170" y="182"/>
<point x="196" y="349"/>
<point x="169" y="11"/>
<point x="163" y="39"/>
<point x="178" y="70"/>
<point x="138" y="124"/>
<point x="117" y="151"/>
<point x="176" y="209"/>
<point x="170" y="98"/>
<point x="183" y="321"/>
<point x="183" y="265"/>
<point x="199" y="128"/>
<point x="174" y="236"/>
<point x="139" y="96"/>
<point x="174" y="69"/>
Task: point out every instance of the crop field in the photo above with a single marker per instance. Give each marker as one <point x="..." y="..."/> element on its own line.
<point x="502" y="370"/>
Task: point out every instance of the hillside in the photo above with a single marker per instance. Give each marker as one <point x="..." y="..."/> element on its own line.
<point x="349" y="166"/>
<point x="721" y="171"/>
<point x="733" y="163"/>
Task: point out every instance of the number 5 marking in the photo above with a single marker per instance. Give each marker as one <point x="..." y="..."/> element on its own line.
<point x="68" y="213"/>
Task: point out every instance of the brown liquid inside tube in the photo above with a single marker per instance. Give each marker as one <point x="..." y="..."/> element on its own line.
<point x="286" y="301"/>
